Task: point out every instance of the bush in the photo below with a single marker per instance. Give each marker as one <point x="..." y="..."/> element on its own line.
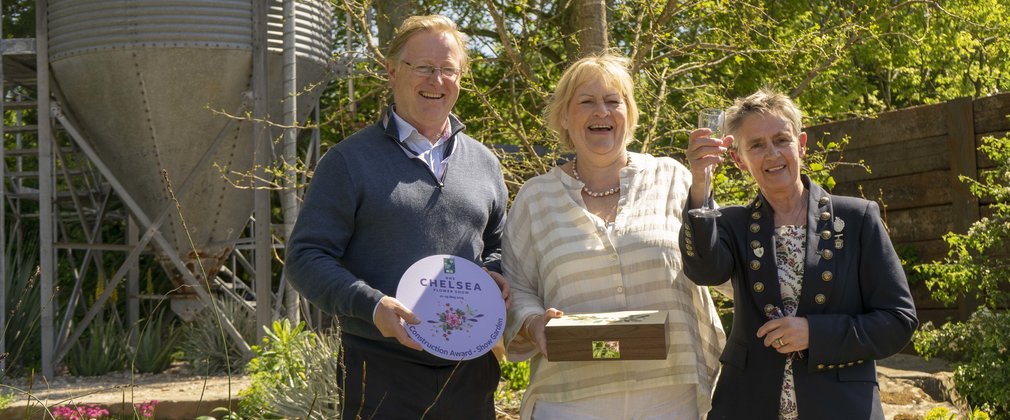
<point x="977" y="262"/>
<point x="977" y="349"/>
<point x="155" y="343"/>
<point x="940" y="413"/>
<point x="210" y="349"/>
<point x="102" y="350"/>
<point x="516" y="374"/>
<point x="294" y="375"/>
<point x="23" y="339"/>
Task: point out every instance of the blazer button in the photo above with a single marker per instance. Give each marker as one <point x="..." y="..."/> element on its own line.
<point x="820" y="299"/>
<point x="759" y="287"/>
<point x="827" y="254"/>
<point x="823" y="200"/>
<point x="826" y="276"/>
<point x="757" y="204"/>
<point x="687" y="232"/>
<point x="825" y="215"/>
<point x="769" y="308"/>
<point x="820" y="366"/>
<point x="831" y="366"/>
<point x="690" y="253"/>
<point x="688" y="247"/>
<point x="826" y="235"/>
<point x="755" y="244"/>
<point x="755" y="265"/>
<point x="859" y="361"/>
<point x="851" y="363"/>
<point x="755" y="228"/>
<point x="755" y="215"/>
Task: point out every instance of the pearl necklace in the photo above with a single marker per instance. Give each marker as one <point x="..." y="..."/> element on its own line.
<point x="585" y="188"/>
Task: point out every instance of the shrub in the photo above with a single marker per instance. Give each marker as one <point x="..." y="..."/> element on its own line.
<point x="941" y="413"/>
<point x="516" y="374"/>
<point x="977" y="350"/>
<point x="976" y="265"/>
<point x="294" y="375"/>
<point x="210" y="349"/>
<point x="102" y="350"/>
<point x="23" y="339"/>
<point x="155" y="343"/>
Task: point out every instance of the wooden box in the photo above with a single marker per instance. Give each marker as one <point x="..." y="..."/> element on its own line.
<point x="627" y="335"/>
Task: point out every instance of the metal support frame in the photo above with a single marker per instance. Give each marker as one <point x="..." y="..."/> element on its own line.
<point x="46" y="188"/>
<point x="3" y="211"/>
<point x="151" y="233"/>
<point x="289" y="195"/>
<point x="143" y="231"/>
<point x="264" y="154"/>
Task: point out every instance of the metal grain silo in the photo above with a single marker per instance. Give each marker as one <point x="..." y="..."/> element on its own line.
<point x="143" y="78"/>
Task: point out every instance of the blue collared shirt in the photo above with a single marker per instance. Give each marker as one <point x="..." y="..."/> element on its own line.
<point x="417" y="146"/>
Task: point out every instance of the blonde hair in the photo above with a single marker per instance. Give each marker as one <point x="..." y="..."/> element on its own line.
<point x="766" y="102"/>
<point x="613" y="69"/>
<point x="432" y="23"/>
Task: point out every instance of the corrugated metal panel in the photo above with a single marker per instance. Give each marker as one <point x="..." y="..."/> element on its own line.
<point x="79" y="26"/>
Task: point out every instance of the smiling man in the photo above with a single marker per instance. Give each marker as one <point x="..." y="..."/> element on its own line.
<point x="410" y="186"/>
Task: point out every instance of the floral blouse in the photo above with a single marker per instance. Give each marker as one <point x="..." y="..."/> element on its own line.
<point x="790" y="243"/>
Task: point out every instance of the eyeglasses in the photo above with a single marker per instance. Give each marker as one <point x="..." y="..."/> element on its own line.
<point x="450" y="73"/>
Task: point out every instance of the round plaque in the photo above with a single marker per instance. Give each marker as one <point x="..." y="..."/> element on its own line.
<point x="459" y="305"/>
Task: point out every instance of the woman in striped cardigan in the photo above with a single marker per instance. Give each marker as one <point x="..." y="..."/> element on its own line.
<point x="599" y="234"/>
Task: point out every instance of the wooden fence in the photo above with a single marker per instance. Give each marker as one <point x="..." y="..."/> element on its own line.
<point x="916" y="155"/>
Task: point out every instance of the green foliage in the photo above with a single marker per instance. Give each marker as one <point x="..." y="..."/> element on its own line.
<point x="206" y="345"/>
<point x="977" y="349"/>
<point x="6" y="399"/>
<point x="155" y="342"/>
<point x="294" y="375"/>
<point x="516" y="374"/>
<point x="941" y="413"/>
<point x="977" y="263"/>
<point x="101" y="350"/>
<point x="21" y="330"/>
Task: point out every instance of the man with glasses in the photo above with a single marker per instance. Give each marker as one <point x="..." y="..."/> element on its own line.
<point x="410" y="186"/>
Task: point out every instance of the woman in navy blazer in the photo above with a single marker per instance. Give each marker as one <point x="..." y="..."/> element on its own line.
<point x="819" y="293"/>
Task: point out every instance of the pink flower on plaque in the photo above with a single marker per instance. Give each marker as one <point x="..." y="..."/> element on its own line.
<point x="455" y="319"/>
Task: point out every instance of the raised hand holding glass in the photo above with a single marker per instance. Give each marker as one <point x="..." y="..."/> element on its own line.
<point x="711" y="119"/>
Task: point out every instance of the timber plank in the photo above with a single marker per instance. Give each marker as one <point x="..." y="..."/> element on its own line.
<point x="991" y="113"/>
<point x="889" y="127"/>
<point x="896" y="159"/>
<point x="919" y="224"/>
<point x="902" y="192"/>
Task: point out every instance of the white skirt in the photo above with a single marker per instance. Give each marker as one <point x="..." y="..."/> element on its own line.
<point x="675" y="402"/>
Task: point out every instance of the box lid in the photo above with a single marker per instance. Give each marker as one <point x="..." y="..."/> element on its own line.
<point x="612" y="324"/>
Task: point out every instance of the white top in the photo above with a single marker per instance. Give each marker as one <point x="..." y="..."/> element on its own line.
<point x="419" y="147"/>
<point x="557" y="254"/>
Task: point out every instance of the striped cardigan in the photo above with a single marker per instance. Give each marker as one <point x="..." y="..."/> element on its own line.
<point x="557" y="254"/>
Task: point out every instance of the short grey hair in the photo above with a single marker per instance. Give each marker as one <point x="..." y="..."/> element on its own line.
<point x="766" y="102"/>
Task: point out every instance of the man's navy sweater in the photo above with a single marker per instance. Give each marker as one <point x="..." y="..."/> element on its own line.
<point x="371" y="211"/>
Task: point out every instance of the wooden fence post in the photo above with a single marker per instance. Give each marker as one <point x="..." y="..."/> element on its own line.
<point x="961" y="142"/>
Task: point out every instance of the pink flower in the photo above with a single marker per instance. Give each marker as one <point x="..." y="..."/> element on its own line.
<point x="453" y="320"/>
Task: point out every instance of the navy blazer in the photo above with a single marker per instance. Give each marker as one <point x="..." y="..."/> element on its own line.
<point x="854" y="296"/>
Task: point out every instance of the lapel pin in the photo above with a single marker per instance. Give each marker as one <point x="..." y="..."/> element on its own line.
<point x="759" y="251"/>
<point x="839" y="224"/>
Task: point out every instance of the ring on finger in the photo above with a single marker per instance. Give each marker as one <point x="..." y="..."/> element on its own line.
<point x="779" y="343"/>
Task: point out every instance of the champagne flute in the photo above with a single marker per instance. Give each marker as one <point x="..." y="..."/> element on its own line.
<point x="711" y="119"/>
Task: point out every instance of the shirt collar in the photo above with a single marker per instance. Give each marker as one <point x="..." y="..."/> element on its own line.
<point x="406" y="131"/>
